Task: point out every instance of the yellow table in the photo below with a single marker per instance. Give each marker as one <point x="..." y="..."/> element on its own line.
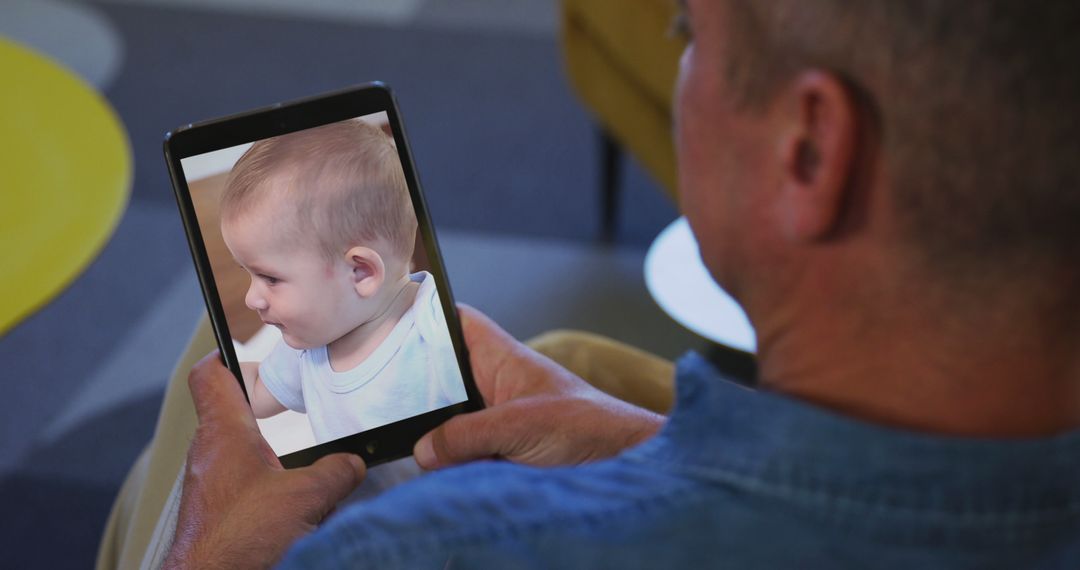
<point x="65" y="175"/>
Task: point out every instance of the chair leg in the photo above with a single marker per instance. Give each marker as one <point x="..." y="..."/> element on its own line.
<point x="611" y="156"/>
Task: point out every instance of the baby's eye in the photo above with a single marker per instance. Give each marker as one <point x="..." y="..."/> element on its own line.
<point x="270" y="280"/>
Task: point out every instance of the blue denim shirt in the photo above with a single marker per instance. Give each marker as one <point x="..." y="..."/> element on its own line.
<point x="737" y="478"/>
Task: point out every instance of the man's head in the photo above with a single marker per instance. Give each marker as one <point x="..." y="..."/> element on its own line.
<point x="939" y="134"/>
<point x="321" y="219"/>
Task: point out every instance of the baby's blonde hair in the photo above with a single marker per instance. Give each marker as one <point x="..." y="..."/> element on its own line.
<point x="342" y="182"/>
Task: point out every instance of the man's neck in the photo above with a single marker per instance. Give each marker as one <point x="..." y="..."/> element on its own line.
<point x="1009" y="370"/>
<point x="350" y="350"/>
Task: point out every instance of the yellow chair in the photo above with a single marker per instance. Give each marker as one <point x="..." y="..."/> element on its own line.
<point x="622" y="63"/>
<point x="65" y="175"/>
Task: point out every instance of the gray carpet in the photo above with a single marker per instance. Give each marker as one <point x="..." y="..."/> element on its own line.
<point x="507" y="159"/>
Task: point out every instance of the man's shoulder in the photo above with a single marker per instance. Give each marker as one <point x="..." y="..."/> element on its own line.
<point x="491" y="495"/>
<point x="482" y="509"/>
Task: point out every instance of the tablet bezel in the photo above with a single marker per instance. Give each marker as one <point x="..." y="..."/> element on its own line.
<point x="384" y="443"/>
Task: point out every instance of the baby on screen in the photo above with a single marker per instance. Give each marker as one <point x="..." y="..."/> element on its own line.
<point x="322" y="221"/>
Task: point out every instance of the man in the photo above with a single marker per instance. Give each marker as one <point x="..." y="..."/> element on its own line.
<point x="887" y="188"/>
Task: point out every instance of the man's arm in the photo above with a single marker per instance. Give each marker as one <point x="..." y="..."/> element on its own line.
<point x="263" y="403"/>
<point x="538" y="412"/>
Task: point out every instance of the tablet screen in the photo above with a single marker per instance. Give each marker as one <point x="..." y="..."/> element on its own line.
<point x="335" y="315"/>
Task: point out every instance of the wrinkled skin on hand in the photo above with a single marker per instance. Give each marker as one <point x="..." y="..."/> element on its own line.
<point x="240" y="508"/>
<point x="538" y="412"/>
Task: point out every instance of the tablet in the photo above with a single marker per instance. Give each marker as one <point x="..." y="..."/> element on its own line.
<point x="322" y="274"/>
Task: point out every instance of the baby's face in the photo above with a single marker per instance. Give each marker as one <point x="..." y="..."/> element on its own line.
<point x="293" y="287"/>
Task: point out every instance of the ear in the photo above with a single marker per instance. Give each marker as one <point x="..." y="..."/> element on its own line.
<point x="817" y="153"/>
<point x="368" y="270"/>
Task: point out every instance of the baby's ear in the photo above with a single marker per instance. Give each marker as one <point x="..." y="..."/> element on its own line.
<point x="368" y="270"/>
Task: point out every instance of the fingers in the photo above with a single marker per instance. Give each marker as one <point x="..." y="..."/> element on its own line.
<point x="216" y="393"/>
<point x="468" y="437"/>
<point x="334" y="477"/>
<point x="489" y="349"/>
<point x="481" y="333"/>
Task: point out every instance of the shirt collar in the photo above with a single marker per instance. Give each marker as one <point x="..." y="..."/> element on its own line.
<point x="723" y="430"/>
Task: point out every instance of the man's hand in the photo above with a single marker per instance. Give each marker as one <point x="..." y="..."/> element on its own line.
<point x="240" y="508"/>
<point x="539" y="413"/>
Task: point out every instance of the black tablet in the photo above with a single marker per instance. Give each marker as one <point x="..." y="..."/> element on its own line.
<point x="322" y="275"/>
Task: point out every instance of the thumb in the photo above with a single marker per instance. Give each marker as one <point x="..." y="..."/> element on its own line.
<point x="469" y="437"/>
<point x="331" y="479"/>
<point x="490" y="347"/>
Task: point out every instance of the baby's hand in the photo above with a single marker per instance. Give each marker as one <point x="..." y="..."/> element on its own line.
<point x="539" y="413"/>
<point x="263" y="403"/>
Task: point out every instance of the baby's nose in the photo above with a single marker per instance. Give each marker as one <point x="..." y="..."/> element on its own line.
<point x="254" y="300"/>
